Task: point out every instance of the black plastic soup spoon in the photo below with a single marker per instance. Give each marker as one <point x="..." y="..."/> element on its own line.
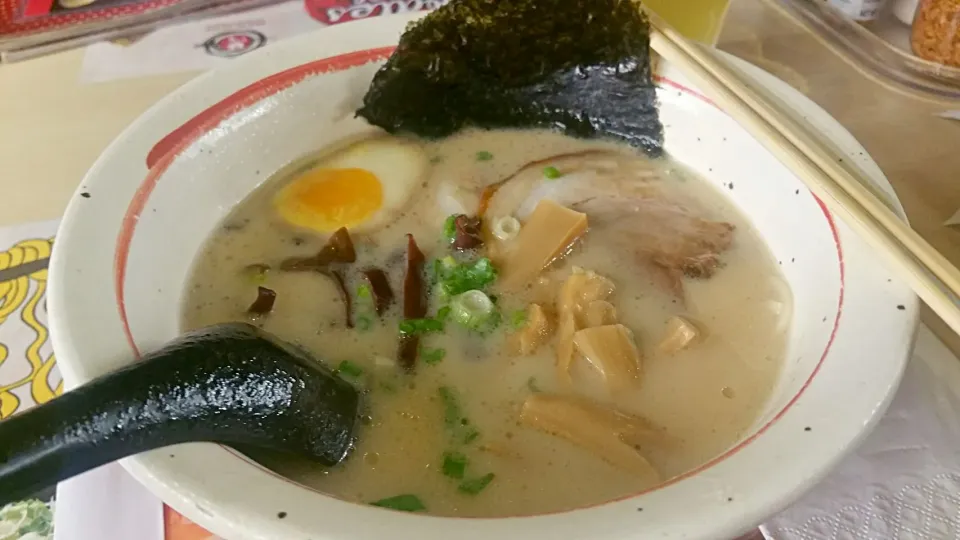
<point x="230" y="384"/>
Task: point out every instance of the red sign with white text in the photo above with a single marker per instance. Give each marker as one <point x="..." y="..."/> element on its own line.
<point x="19" y="17"/>
<point x="338" y="11"/>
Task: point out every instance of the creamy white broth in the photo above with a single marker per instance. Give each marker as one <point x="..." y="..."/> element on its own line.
<point x="706" y="397"/>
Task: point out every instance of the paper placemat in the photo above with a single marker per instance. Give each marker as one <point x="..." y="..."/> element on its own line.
<point x="28" y="374"/>
<point x="209" y="43"/>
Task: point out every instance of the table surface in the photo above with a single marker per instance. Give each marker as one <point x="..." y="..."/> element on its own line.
<point x="52" y="128"/>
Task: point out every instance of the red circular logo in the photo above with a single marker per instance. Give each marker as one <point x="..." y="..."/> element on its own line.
<point x="230" y="44"/>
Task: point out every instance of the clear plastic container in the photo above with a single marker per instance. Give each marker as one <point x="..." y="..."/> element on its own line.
<point x="924" y="58"/>
<point x="859" y="10"/>
<point x="936" y="31"/>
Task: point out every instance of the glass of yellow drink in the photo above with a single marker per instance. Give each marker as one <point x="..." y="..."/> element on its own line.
<point x="700" y="20"/>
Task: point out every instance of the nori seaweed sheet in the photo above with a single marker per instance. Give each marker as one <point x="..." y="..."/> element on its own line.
<point x="577" y="66"/>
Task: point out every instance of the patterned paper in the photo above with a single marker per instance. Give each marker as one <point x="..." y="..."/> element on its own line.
<point x="27" y="365"/>
<point x="28" y="372"/>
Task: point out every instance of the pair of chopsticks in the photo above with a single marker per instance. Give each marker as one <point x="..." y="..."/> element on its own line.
<point x="842" y="187"/>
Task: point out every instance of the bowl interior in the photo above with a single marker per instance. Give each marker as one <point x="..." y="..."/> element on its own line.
<point x="199" y="186"/>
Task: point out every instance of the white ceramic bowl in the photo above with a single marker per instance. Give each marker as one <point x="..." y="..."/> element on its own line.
<point x="143" y="211"/>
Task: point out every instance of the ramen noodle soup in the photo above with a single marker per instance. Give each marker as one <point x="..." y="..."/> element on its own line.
<point x="537" y="322"/>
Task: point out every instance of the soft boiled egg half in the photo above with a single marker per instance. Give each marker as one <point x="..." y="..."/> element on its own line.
<point x="362" y="187"/>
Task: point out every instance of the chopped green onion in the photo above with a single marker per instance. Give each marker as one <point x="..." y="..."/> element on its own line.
<point x="450" y="229"/>
<point x="495" y="319"/>
<point x="506" y="228"/>
<point x="472" y="435"/>
<point x="363" y="291"/>
<point x="256" y="273"/>
<point x="552" y="173"/>
<point x="474" y="310"/>
<point x="474" y="486"/>
<point x="532" y="385"/>
<point x="402" y="503"/>
<point x="432" y="356"/>
<point x="349" y="369"/>
<point x="518" y="318"/>
<point x="460" y="429"/>
<point x="483" y="155"/>
<point x="420" y="326"/>
<point x="364" y="323"/>
<point x="454" y="465"/>
<point x="456" y="278"/>
<point x="443" y="313"/>
<point x="365" y="307"/>
<point x="451" y="406"/>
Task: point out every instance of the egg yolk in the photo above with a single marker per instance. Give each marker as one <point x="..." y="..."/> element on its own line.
<point x="327" y="199"/>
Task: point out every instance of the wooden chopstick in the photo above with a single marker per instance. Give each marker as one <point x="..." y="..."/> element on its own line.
<point x="837" y="183"/>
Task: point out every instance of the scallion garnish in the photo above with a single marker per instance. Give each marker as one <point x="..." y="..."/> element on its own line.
<point x="451" y="406"/>
<point x="460" y="429"/>
<point x="552" y="173"/>
<point x="363" y="291"/>
<point x="483" y="155"/>
<point x="420" y="326"/>
<point x="455" y="278"/>
<point x="256" y="273"/>
<point x="450" y="228"/>
<point x="432" y="356"/>
<point x="471" y="435"/>
<point x="402" y="503"/>
<point x="364" y="323"/>
<point x="349" y="369"/>
<point x="474" y="310"/>
<point x="474" y="486"/>
<point x="454" y="465"/>
<point x="518" y="318"/>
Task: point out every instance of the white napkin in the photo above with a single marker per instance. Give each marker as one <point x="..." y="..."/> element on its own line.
<point x="904" y="481"/>
<point x="106" y="504"/>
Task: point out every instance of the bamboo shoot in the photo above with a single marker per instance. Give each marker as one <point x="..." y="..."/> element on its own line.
<point x="612" y="435"/>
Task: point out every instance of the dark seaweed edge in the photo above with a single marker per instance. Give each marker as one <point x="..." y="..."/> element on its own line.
<point x="581" y="67"/>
